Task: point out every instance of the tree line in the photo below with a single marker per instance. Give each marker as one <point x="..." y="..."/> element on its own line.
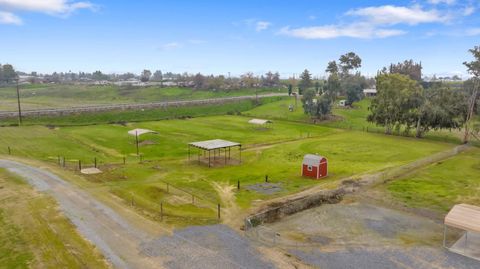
<point x="343" y="79"/>
<point x="405" y="103"/>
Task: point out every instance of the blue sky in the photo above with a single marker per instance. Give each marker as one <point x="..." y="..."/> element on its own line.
<point x="235" y="36"/>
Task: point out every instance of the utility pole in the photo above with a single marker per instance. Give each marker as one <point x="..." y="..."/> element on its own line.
<point x="18" y="101"/>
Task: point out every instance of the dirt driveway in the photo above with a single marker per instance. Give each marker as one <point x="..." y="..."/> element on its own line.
<point x="127" y="246"/>
<point x="359" y="234"/>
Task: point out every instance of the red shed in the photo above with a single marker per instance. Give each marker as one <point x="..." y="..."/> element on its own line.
<point x="314" y="166"/>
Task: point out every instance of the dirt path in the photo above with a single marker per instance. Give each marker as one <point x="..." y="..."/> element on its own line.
<point x="126" y="246"/>
<point x="231" y="212"/>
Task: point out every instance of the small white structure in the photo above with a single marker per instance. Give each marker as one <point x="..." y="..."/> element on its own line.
<point x="215" y="145"/>
<point x="370" y="92"/>
<point x="465" y="218"/>
<point x="139" y="132"/>
<point x="342" y="103"/>
<point x="259" y="121"/>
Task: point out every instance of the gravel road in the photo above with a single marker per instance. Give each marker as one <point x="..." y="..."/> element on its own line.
<point x="125" y="246"/>
<point x="358" y="234"/>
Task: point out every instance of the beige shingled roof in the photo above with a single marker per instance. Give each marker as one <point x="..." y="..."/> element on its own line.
<point x="465" y="217"/>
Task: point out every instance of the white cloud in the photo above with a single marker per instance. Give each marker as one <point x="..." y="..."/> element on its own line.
<point x="312" y="17"/>
<point x="358" y="30"/>
<point x="262" y="25"/>
<point x="447" y="2"/>
<point x="391" y="15"/>
<point x="9" y="18"/>
<point x="171" y="46"/>
<point x="467" y="11"/>
<point x="473" y="31"/>
<point x="57" y="7"/>
<point x="372" y="22"/>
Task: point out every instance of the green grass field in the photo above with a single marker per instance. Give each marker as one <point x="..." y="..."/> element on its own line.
<point x="442" y="185"/>
<point x="55" y="96"/>
<point x="276" y="152"/>
<point x="33" y="233"/>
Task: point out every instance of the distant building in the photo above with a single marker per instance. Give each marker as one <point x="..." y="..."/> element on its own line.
<point x="370" y="92"/>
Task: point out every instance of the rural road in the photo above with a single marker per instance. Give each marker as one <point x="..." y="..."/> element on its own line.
<point x="130" y="106"/>
<point x="125" y="246"/>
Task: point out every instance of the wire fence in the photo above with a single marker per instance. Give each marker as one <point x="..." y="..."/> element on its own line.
<point x="177" y="204"/>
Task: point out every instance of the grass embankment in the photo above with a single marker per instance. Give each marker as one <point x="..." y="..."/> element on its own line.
<point x="231" y="108"/>
<point x="55" y="96"/>
<point x="34" y="234"/>
<point x="441" y="185"/>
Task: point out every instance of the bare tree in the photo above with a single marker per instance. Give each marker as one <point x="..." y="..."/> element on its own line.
<point x="473" y="68"/>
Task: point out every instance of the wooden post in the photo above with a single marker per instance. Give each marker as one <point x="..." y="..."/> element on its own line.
<point x="136" y="141"/>
<point x="9" y="151"/>
<point x="218" y="211"/>
<point x="19" y="107"/>
<point x="238" y="185"/>
<point x="124" y="160"/>
<point x="79" y="165"/>
<point x="95" y="161"/>
<point x="225" y="155"/>
<point x="209" y="158"/>
<point x="266" y="178"/>
<point x="161" y="211"/>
